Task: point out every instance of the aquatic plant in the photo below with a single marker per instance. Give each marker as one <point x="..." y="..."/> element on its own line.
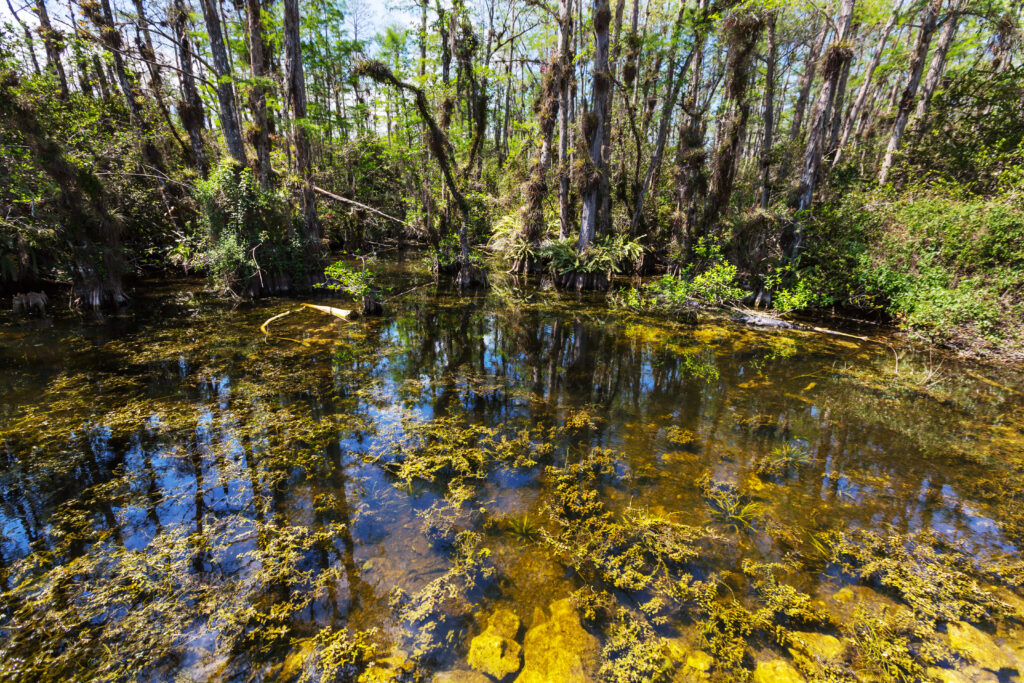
<point x="523" y="528"/>
<point x="439" y="613"/>
<point x="633" y="653"/>
<point x="896" y="644"/>
<point x="937" y="579"/>
<point x="783" y="460"/>
<point x="338" y="655"/>
<point x="738" y="512"/>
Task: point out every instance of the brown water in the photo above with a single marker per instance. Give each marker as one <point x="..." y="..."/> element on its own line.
<point x="184" y="497"/>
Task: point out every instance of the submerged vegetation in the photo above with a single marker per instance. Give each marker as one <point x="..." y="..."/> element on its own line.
<point x="190" y="500"/>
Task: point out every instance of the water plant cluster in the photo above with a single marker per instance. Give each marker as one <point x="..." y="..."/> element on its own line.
<point x="195" y="499"/>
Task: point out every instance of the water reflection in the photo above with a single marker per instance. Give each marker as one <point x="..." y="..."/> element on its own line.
<point x="255" y="462"/>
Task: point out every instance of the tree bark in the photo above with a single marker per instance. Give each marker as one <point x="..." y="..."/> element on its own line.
<point x="806" y="81"/>
<point x="296" y="95"/>
<point x="258" y="64"/>
<point x="924" y="39"/>
<point x="769" y="114"/>
<point x="594" y="175"/>
<point x="835" y="59"/>
<point x="862" y="94"/>
<point x="229" y="121"/>
<point x="52" y="41"/>
<point x="564" y="84"/>
<point x="938" y="63"/>
<point x="190" y="109"/>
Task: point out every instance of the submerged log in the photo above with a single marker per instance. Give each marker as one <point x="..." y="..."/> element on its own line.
<point x="342" y="313"/>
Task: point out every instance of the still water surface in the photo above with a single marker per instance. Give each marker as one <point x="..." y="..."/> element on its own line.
<point x="184" y="497"/>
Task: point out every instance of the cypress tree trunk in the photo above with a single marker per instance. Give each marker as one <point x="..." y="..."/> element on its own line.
<point x="225" y="90"/>
<point x="52" y="41"/>
<point x="924" y="39"/>
<point x="296" y="95"/>
<point x="769" y="114"/>
<point x="806" y="81"/>
<point x="862" y="94"/>
<point x="938" y="63"/>
<point x="257" y="95"/>
<point x="564" y="83"/>
<point x="744" y="31"/>
<point x="835" y="58"/>
<point x="593" y="175"/>
<point x="190" y="109"/>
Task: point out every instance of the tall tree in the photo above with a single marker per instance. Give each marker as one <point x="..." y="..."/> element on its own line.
<point x="258" y="64"/>
<point x="295" y="90"/>
<point x="929" y="21"/>
<point x="229" y="121"/>
<point x="53" y="42"/>
<point x="190" y="108"/>
<point x="866" y="86"/>
<point x="836" y="57"/>
<point x="593" y="175"/>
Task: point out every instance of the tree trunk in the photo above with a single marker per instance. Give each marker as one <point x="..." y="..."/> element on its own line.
<point x="924" y="39"/>
<point x="835" y="58"/>
<point x="30" y="45"/>
<point x="674" y="87"/>
<point x="938" y="63"/>
<point x="862" y="94"/>
<point x="564" y="84"/>
<point x="744" y="32"/>
<point x="594" y="175"/>
<point x="536" y="187"/>
<point x="807" y="81"/>
<point x="190" y="109"/>
<point x="52" y="41"/>
<point x="769" y="114"/>
<point x="225" y="90"/>
<point x="258" y="63"/>
<point x="296" y="96"/>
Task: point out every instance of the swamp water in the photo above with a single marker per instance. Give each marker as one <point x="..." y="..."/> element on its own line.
<point x="526" y="485"/>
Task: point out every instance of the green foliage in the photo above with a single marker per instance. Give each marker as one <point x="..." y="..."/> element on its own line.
<point x="244" y="232"/>
<point x="714" y="285"/>
<point x="344" y="278"/>
<point x="606" y="256"/>
<point x="950" y="266"/>
<point x="726" y="501"/>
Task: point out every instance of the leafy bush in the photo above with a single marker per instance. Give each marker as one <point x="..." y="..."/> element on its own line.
<point x="605" y="256"/>
<point x="244" y="232"/>
<point x="713" y="286"/>
<point x="947" y="264"/>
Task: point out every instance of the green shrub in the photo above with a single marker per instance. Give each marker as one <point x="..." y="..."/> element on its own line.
<point x="244" y="232"/>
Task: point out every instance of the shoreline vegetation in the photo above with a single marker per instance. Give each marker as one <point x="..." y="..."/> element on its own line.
<point x="855" y="157"/>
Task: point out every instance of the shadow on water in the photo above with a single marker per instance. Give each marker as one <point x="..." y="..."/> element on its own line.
<point x="229" y="505"/>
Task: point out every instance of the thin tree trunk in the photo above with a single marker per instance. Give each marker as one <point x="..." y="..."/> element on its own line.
<point x="296" y="96"/>
<point x="744" y="34"/>
<point x="30" y="45"/>
<point x="674" y="87"/>
<point x="190" y="109"/>
<point x="564" y="84"/>
<point x="593" y="124"/>
<point x="924" y="39"/>
<point x="52" y="42"/>
<point x="806" y="81"/>
<point x="769" y="114"/>
<point x="862" y="94"/>
<point x="938" y="63"/>
<point x="225" y="90"/>
<point x="835" y="58"/>
<point x="257" y="95"/>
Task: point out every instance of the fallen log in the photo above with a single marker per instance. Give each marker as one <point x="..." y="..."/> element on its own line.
<point x="342" y="313"/>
